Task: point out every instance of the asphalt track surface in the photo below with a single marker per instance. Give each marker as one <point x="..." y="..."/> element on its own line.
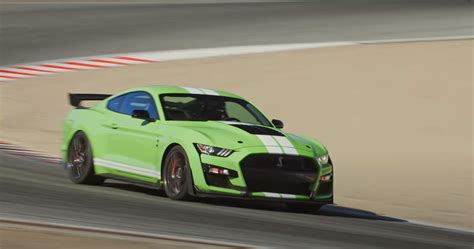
<point x="36" y="32"/>
<point x="39" y="191"/>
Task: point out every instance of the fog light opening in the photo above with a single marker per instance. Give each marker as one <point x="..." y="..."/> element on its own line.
<point x="219" y="171"/>
<point x="326" y="178"/>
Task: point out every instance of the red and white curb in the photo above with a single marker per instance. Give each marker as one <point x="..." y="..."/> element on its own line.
<point x="17" y="150"/>
<point x="53" y="67"/>
<point x="30" y="70"/>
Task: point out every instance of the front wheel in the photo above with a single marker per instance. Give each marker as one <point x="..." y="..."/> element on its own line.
<point x="177" y="174"/>
<point x="79" y="165"/>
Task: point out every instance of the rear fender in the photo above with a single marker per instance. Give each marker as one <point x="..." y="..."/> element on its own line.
<point x="91" y="123"/>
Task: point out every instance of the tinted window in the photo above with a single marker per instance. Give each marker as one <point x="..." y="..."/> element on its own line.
<point x="115" y="103"/>
<point x="206" y="107"/>
<point x="139" y="101"/>
<point x="127" y="103"/>
<point x="240" y="112"/>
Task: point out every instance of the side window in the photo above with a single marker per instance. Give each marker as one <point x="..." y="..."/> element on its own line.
<point x="115" y="103"/>
<point x="139" y="101"/>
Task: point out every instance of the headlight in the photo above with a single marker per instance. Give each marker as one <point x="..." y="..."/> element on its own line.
<point x="213" y="151"/>
<point x="322" y="160"/>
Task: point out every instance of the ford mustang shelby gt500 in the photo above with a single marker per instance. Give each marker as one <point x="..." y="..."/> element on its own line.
<point x="193" y="142"/>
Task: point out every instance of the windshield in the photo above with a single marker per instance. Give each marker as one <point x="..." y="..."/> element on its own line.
<point x="193" y="107"/>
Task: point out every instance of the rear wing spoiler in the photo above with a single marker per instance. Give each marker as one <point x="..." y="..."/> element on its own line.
<point x="75" y="99"/>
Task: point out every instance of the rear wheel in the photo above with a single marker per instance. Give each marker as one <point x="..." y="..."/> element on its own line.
<point x="79" y="165"/>
<point x="177" y="174"/>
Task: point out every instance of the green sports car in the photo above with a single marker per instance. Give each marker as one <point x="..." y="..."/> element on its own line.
<point x="193" y="142"/>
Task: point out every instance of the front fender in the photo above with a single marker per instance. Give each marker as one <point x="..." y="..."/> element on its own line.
<point x="185" y="138"/>
<point x="318" y="148"/>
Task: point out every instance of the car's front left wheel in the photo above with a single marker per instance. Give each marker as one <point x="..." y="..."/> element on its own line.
<point x="79" y="165"/>
<point x="177" y="176"/>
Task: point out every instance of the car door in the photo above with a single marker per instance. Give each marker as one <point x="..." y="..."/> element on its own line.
<point x="133" y="142"/>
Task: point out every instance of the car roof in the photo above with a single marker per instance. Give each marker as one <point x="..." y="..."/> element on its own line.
<point x="164" y="89"/>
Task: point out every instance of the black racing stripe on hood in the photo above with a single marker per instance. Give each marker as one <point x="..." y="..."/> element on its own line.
<point x="258" y="130"/>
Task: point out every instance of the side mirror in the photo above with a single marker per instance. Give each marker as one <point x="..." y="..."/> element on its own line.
<point x="278" y="123"/>
<point x="142" y="114"/>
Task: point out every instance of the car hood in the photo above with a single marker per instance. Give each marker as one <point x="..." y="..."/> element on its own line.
<point x="234" y="135"/>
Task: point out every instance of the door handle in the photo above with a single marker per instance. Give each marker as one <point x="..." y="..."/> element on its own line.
<point x="114" y="126"/>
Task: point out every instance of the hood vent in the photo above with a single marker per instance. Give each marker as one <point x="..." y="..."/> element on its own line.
<point x="258" y="130"/>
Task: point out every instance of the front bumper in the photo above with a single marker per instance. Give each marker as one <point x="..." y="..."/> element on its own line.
<point x="265" y="183"/>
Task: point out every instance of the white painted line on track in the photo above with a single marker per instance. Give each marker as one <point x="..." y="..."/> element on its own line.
<point x="428" y="39"/>
<point x="226" y="51"/>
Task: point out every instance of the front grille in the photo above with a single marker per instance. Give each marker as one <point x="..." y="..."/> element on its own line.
<point x="279" y="173"/>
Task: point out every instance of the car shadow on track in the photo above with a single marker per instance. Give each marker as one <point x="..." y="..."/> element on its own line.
<point x="327" y="210"/>
<point x="339" y="211"/>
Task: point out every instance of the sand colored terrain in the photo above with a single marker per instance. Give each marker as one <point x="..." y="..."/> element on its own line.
<point x="18" y="236"/>
<point x="396" y="118"/>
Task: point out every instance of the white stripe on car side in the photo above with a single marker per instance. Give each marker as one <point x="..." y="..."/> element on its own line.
<point x="278" y="195"/>
<point x="126" y="168"/>
<point x="273" y="195"/>
<point x="288" y="196"/>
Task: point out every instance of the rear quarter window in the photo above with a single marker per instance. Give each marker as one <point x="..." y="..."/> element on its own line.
<point x="139" y="101"/>
<point x="115" y="103"/>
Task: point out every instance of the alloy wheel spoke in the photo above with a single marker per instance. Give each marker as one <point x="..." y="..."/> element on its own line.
<point x="175" y="173"/>
<point x="78" y="156"/>
<point x="78" y="171"/>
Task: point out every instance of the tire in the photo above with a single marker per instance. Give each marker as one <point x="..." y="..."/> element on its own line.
<point x="79" y="165"/>
<point x="299" y="207"/>
<point x="177" y="178"/>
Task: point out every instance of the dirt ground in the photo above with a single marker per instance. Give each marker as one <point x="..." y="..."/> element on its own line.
<point x="396" y="118"/>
